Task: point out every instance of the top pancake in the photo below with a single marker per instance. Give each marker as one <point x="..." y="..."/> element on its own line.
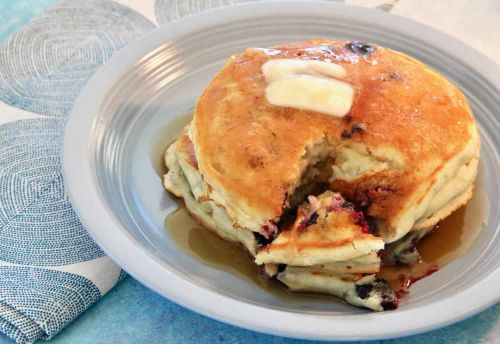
<point x="408" y="132"/>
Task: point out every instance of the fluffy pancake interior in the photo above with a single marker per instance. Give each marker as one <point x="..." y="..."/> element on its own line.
<point x="327" y="229"/>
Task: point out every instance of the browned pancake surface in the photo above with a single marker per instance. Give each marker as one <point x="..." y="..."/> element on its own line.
<point x="254" y="150"/>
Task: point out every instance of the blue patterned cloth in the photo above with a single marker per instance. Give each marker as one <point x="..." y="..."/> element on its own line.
<point x="50" y="269"/>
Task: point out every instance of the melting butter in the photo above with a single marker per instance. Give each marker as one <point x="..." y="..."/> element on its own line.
<point x="277" y="69"/>
<point x="308" y="85"/>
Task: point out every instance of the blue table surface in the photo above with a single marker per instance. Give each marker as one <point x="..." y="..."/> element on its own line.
<point x="131" y="313"/>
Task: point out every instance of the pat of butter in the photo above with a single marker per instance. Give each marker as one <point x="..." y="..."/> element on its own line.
<point x="308" y="85"/>
<point x="277" y="69"/>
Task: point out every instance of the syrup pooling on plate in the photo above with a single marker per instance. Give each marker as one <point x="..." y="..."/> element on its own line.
<point x="450" y="239"/>
<point x="164" y="136"/>
<point x="217" y="253"/>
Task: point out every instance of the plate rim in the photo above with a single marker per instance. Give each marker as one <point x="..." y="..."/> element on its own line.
<point x="82" y="188"/>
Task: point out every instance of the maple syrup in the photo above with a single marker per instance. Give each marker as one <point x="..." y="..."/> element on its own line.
<point x="163" y="137"/>
<point x="450" y="239"/>
<point x="211" y="250"/>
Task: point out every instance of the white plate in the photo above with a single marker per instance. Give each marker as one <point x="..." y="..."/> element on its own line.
<point x="119" y="197"/>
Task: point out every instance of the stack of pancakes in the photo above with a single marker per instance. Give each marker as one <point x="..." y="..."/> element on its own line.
<point x="314" y="197"/>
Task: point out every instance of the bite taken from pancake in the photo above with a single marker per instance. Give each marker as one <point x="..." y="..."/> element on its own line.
<point x="320" y="156"/>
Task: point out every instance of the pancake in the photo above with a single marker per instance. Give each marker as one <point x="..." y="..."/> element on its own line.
<point x="314" y="156"/>
<point x="407" y="147"/>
